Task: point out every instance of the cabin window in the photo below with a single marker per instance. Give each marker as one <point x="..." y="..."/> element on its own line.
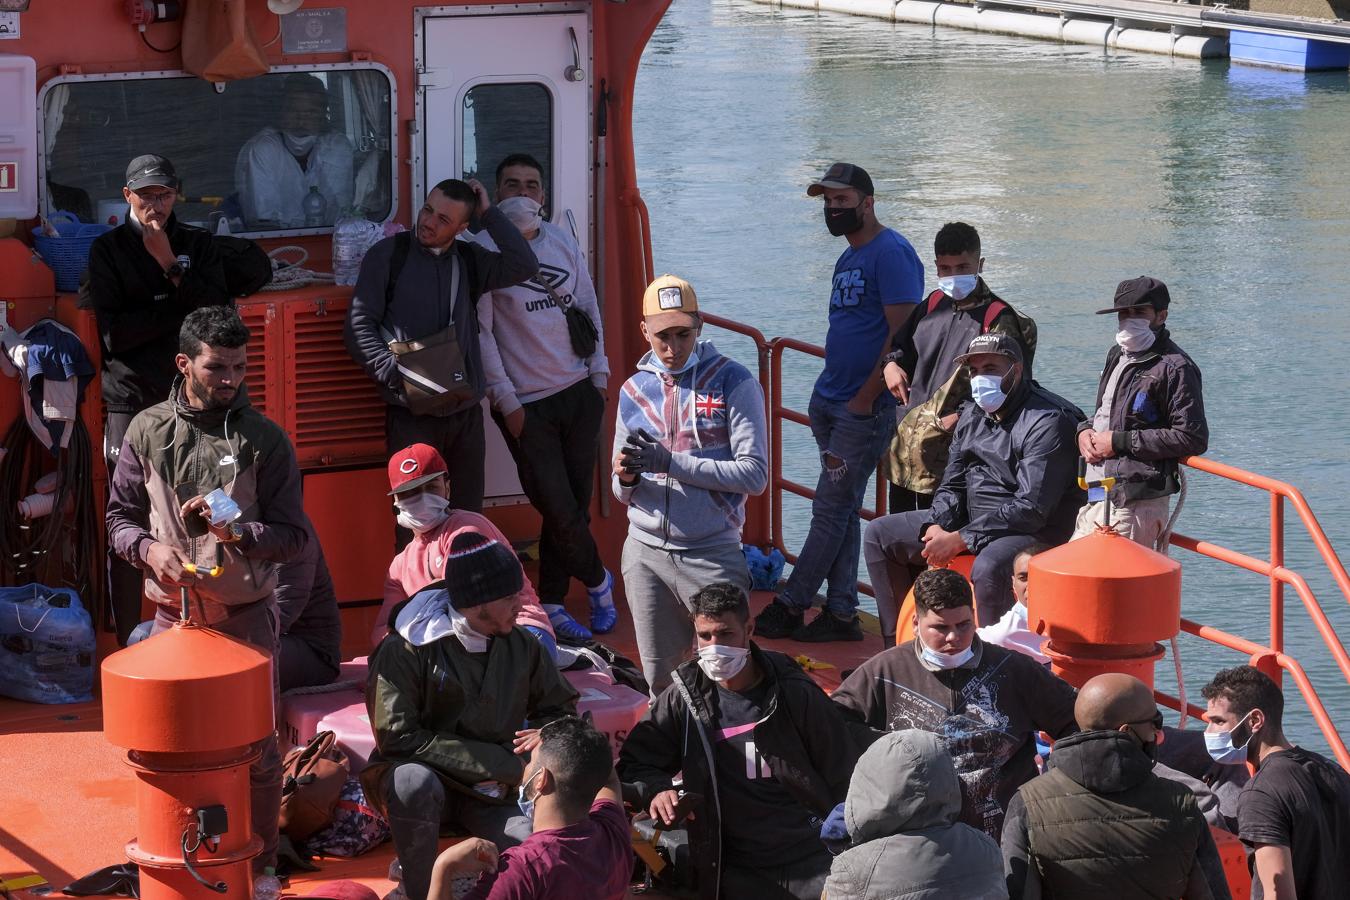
<point x="252" y="154"/>
<point x="502" y="119"/>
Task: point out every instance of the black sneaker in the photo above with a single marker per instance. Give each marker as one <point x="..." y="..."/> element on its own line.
<point x="778" y="620"/>
<point x="829" y="627"/>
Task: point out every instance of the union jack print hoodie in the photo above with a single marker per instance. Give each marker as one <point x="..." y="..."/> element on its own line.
<point x="711" y="418"/>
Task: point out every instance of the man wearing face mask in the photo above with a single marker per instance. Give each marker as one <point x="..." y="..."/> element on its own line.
<point x="417" y="482"/>
<point x="1010" y="481"/>
<point x="764" y="754"/>
<point x="985" y="702"/>
<point x="921" y="370"/>
<point x="1295" y="811"/>
<point x="877" y="282"/>
<point x="1150" y="413"/>
<point x="446" y="694"/>
<point x="548" y="399"/>
<point x="1102" y="815"/>
<point x="279" y="165"/>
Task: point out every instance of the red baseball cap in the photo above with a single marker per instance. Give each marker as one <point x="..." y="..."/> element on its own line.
<point x="342" y="890"/>
<point x="413" y="467"/>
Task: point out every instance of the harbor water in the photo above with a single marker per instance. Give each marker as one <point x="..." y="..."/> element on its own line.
<point x="1079" y="168"/>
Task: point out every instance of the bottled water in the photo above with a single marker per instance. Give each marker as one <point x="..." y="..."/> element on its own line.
<point x="315" y="208"/>
<point x="267" y="886"/>
<point x="351" y="238"/>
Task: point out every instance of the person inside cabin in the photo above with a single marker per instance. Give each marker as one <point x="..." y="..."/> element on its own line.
<point x="1150" y="414"/>
<point x="580" y="848"/>
<point x="921" y="370"/>
<point x="765" y="756"/>
<point x="145" y="276"/>
<point x="423" y="289"/>
<point x="419" y="484"/>
<point x="1102" y="818"/>
<point x="985" y="702"/>
<point x="207" y="440"/>
<point x="690" y="443"/>
<point x="310" y="621"/>
<point x="902" y="815"/>
<point x="877" y="282"/>
<point x="548" y="396"/>
<point x="1010" y="482"/>
<point x="1294" y="813"/>
<point x="1012" y="631"/>
<point x="456" y="698"/>
<point x="279" y="167"/>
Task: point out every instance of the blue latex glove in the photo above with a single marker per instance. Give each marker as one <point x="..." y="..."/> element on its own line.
<point x="833" y="831"/>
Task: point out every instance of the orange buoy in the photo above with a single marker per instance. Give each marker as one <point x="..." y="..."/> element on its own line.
<point x="904" y="622"/>
<point x="1104" y="602"/>
<point x="190" y="706"/>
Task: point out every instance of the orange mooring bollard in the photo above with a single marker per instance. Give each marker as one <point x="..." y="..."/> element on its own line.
<point x="190" y="706"/>
<point x="1104" y="602"/>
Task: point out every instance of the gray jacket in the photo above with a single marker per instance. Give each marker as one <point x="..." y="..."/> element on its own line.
<point x="901" y="813"/>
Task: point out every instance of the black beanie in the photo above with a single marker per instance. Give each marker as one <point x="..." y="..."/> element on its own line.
<point x="480" y="570"/>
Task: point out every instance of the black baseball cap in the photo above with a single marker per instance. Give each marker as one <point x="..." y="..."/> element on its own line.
<point x="1141" y="291"/>
<point x="842" y="175"/>
<point x="150" y="169"/>
<point x="992" y="342"/>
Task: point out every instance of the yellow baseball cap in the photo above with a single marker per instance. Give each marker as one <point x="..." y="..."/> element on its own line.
<point x="670" y="302"/>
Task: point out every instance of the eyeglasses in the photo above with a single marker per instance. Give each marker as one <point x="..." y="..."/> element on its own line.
<point x="159" y="198"/>
<point x="1156" y="721"/>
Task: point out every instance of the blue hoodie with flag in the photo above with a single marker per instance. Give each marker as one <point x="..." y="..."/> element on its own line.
<point x="711" y="418"/>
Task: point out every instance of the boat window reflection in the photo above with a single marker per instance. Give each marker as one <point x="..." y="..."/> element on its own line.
<point x="501" y="119"/>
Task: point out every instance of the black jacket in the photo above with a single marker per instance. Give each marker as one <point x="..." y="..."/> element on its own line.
<point x="1157" y="416"/>
<point x="420" y="306"/>
<point x="803" y="738"/>
<point x="1100" y="817"/>
<point x="139" y="311"/>
<point x="1012" y="472"/>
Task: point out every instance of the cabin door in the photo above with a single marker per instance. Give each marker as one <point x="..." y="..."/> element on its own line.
<point x="490" y="85"/>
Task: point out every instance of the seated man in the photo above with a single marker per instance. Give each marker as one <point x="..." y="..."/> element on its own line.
<point x="417" y="482"/>
<point x="1101" y="819"/>
<point x="446" y="695"/>
<point x="1010" y="482"/>
<point x="764" y="754"/>
<point x="1011" y="631"/>
<point x="279" y="165"/>
<point x="311" y="625"/>
<point x="580" y="848"/>
<point x="985" y="702"/>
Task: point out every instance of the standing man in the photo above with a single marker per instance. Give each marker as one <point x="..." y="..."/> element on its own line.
<point x="985" y="702"/>
<point x="1295" y="811"/>
<point x="877" y="281"/>
<point x="145" y="276"/>
<point x="763" y="753"/>
<point x="447" y="696"/>
<point x="1009" y="483"/>
<point x="1150" y="413"/>
<point x="206" y="437"/>
<point x="547" y="398"/>
<point x="423" y="290"/>
<point x="1101" y="815"/>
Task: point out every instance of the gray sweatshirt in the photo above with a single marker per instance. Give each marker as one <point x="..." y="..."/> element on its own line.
<point x="527" y="353"/>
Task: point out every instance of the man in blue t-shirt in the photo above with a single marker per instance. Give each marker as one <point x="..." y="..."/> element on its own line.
<point x="877" y="281"/>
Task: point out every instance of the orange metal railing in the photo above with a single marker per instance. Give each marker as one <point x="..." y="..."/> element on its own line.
<point x="1270" y="658"/>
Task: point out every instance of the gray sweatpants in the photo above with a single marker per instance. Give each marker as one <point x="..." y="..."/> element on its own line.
<point x="658" y="584"/>
<point x="419" y="805"/>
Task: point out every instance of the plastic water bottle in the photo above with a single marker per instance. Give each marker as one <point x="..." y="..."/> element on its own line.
<point x="267" y="886"/>
<point x="349" y="246"/>
<point x="315" y="208"/>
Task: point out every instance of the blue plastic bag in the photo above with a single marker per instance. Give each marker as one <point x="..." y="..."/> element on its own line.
<point x="46" y="645"/>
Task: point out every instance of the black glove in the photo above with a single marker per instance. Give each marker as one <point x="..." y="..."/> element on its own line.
<point x="644" y="453"/>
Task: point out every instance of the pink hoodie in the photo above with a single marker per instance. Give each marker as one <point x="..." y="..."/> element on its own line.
<point x="423" y="561"/>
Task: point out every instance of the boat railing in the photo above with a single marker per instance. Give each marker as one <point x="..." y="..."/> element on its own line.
<point x="765" y="522"/>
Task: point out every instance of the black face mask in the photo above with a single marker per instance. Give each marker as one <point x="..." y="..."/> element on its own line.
<point x="842" y="220"/>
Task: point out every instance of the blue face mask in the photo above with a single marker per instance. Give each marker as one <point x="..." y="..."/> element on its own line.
<point x="1222" y="749"/>
<point x="987" y="391"/>
<point x="958" y="287"/>
<point x="688" y="363"/>
<point x="527" y="805"/>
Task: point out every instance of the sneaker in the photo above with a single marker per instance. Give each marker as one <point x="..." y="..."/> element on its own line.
<point x="603" y="614"/>
<point x="568" y="629"/>
<point x="828" y="627"/>
<point x="778" y="620"/>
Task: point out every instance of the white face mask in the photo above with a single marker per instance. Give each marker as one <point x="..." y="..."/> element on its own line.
<point x="523" y="213"/>
<point x="987" y="391"/>
<point x="1135" y="335"/>
<point x="422" y="513"/>
<point x="720" y="662"/>
<point x="958" y="287"/>
<point x="473" y="641"/>
<point x="1222" y="749"/>
<point x="299" y="144"/>
<point x="939" y="660"/>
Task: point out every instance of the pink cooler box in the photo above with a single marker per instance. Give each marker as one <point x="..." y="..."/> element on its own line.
<point x="614" y="708"/>
<point x="341" y="712"/>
